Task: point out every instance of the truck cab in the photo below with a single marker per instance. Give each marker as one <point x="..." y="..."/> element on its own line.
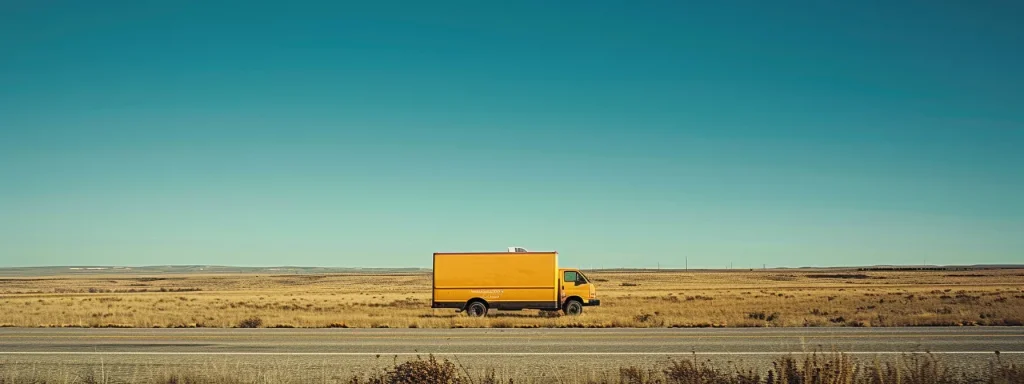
<point x="575" y="291"/>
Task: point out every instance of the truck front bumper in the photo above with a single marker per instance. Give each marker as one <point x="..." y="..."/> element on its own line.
<point x="592" y="303"/>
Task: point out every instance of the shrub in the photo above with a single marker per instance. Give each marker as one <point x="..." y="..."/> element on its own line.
<point x="549" y="314"/>
<point x="814" y="369"/>
<point x="643" y="317"/>
<point x="634" y="375"/>
<point x="699" y="297"/>
<point x="428" y="371"/>
<point x="763" y="316"/>
<point x="686" y="372"/>
<point x="252" y="322"/>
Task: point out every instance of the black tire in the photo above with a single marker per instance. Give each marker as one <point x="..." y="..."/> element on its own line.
<point x="476" y="309"/>
<point x="573" y="308"/>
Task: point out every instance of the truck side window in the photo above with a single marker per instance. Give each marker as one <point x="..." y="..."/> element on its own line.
<point x="570" y="276"/>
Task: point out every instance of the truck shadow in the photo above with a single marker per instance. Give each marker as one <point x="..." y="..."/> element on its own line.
<point x="490" y="315"/>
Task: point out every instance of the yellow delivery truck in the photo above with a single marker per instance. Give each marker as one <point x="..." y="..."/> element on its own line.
<point x="476" y="282"/>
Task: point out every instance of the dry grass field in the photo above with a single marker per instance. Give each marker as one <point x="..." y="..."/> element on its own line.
<point x="770" y="298"/>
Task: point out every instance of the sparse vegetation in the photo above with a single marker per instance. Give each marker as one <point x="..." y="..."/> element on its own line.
<point x="829" y="368"/>
<point x="839" y="276"/>
<point x="628" y="299"/>
<point x="430" y="371"/>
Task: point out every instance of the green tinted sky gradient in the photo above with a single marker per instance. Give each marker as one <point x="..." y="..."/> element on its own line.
<point x="622" y="134"/>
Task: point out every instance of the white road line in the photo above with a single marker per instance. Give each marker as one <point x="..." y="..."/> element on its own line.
<point x="142" y="353"/>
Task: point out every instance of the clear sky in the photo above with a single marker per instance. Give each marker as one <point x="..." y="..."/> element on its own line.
<point x="621" y="134"/>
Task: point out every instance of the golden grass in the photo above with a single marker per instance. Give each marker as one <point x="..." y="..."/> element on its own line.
<point x="781" y="298"/>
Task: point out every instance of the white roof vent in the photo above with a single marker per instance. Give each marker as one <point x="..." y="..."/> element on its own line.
<point x="517" y="249"/>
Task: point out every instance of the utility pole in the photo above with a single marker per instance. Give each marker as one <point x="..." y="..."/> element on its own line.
<point x="687" y="263"/>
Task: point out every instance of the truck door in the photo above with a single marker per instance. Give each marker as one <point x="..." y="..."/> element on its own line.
<point x="574" y="285"/>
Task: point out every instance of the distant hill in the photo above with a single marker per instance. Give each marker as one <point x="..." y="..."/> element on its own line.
<point x="842" y="268"/>
<point x="193" y="269"/>
<point x="940" y="267"/>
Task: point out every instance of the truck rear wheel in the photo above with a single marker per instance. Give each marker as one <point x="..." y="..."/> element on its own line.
<point x="476" y="309"/>
<point x="573" y="307"/>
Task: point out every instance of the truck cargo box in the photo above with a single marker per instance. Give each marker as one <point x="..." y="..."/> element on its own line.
<point x="504" y="280"/>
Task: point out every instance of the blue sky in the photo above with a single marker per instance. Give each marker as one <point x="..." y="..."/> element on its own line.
<point x="621" y="134"/>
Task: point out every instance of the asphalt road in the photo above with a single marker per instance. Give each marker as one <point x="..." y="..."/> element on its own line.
<point x="542" y="352"/>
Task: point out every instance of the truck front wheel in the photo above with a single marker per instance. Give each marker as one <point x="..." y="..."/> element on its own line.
<point x="573" y="307"/>
<point x="476" y="309"/>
